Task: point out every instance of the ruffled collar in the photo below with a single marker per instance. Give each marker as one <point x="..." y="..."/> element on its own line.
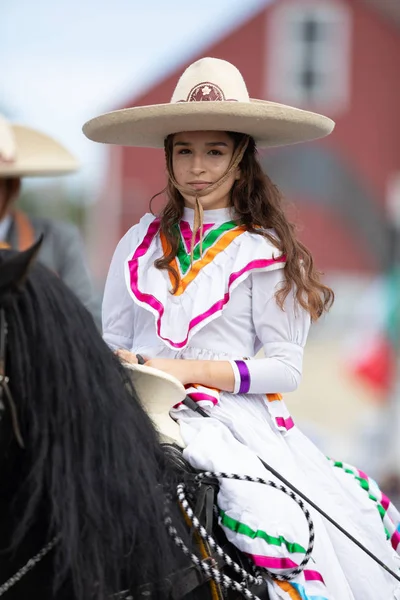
<point x="215" y="216"/>
<point x="230" y="255"/>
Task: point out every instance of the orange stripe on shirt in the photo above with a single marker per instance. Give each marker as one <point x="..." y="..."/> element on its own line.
<point x="208" y="257"/>
<point x="273" y="397"/>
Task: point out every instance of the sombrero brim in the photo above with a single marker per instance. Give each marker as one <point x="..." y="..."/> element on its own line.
<point x="157" y="390"/>
<point x="269" y="123"/>
<point x="38" y="155"/>
<point x="158" y="393"/>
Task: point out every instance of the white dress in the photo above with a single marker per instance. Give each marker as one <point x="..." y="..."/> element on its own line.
<point x="225" y="309"/>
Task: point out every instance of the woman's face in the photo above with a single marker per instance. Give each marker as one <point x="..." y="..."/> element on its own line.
<point x="199" y="159"/>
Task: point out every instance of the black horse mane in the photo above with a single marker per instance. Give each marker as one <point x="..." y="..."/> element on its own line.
<point x="91" y="452"/>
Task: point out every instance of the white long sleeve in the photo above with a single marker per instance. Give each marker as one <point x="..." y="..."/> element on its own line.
<point x="118" y="307"/>
<point x="283" y="334"/>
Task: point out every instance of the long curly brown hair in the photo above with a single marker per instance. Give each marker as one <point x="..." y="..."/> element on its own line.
<point x="258" y="205"/>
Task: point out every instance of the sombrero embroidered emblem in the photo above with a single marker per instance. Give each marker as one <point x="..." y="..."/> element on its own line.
<point x="206" y="92"/>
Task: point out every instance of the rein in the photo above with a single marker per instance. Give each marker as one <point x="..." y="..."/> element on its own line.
<point x="32" y="562"/>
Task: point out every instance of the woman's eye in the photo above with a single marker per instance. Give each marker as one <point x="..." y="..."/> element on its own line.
<point x="185" y="151"/>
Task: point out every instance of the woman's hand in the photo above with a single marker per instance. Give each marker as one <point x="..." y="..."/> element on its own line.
<point x="126" y="356"/>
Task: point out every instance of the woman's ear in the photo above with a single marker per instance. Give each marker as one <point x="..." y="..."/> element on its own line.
<point x="238" y="174"/>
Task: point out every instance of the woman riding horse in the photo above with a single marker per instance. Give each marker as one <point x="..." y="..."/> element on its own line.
<point x="199" y="289"/>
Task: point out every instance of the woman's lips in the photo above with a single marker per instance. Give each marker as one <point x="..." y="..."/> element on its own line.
<point x="199" y="185"/>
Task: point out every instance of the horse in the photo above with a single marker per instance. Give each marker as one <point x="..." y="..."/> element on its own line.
<point x="88" y="506"/>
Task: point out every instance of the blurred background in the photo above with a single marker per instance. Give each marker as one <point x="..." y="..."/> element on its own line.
<point x="63" y="63"/>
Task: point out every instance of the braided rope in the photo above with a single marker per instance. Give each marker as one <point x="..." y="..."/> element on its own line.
<point x="294" y="572"/>
<point x="32" y="562"/>
<point x="208" y="569"/>
<point x="258" y="580"/>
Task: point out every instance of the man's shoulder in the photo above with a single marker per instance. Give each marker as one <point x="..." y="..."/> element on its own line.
<point x="54" y="227"/>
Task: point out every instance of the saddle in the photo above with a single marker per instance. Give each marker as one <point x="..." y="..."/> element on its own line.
<point x="158" y="392"/>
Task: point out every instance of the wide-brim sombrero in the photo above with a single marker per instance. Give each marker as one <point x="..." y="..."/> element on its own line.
<point x="158" y="393"/>
<point x="26" y="152"/>
<point x="211" y="95"/>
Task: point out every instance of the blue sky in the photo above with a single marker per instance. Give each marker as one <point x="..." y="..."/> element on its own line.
<point x="66" y="61"/>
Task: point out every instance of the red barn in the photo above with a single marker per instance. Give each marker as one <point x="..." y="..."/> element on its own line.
<point x="337" y="57"/>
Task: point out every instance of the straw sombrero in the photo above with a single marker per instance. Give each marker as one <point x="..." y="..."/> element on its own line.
<point x="158" y="393"/>
<point x="26" y="152"/>
<point x="211" y="95"/>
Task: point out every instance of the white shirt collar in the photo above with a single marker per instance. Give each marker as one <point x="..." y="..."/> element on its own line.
<point x="217" y="215"/>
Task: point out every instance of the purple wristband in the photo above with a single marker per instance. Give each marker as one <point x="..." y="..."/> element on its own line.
<point x="244" y="376"/>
